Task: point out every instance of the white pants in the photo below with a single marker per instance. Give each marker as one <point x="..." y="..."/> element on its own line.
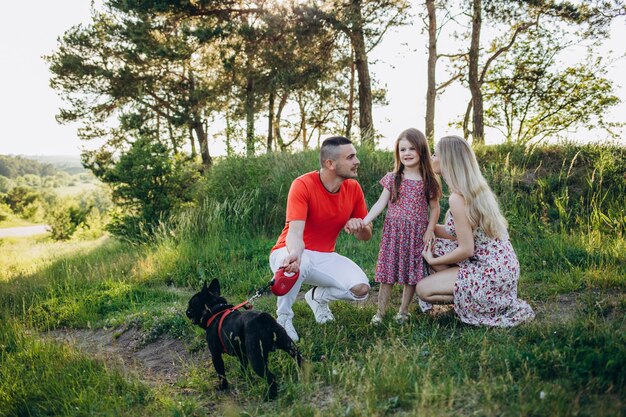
<point x="332" y="273"/>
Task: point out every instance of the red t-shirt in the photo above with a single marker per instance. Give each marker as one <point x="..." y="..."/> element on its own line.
<point x="325" y="213"/>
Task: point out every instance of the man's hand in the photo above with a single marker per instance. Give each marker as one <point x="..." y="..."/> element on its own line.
<point x="291" y="263"/>
<point x="353" y="226"/>
<point x="295" y="245"/>
<point x="358" y="229"/>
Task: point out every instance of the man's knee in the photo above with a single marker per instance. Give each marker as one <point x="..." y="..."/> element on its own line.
<point x="360" y="290"/>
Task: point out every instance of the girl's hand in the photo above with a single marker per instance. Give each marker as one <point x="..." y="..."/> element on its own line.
<point x="427" y="253"/>
<point x="429" y="237"/>
<point x="353" y="226"/>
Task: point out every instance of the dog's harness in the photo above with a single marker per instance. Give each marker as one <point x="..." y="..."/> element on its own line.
<point x="280" y="285"/>
<point x="222" y="315"/>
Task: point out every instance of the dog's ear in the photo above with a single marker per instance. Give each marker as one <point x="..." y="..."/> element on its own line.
<point x="214" y="287"/>
<point x="204" y="287"/>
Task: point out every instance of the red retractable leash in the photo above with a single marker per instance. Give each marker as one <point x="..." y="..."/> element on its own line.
<point x="282" y="283"/>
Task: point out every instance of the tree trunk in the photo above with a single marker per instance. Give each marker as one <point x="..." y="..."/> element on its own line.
<point x="350" y="118"/>
<point x="303" y="122"/>
<point x="468" y="111"/>
<point x="170" y="130"/>
<point x="250" y="115"/>
<point x="270" y="121"/>
<point x="193" y="143"/>
<point x="229" y="132"/>
<point x="478" y="133"/>
<point x="196" y="125"/>
<point x="357" y="37"/>
<point x="281" y="105"/>
<point x="431" y="92"/>
<point x="203" y="141"/>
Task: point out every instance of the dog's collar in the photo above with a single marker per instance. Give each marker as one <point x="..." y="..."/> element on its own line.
<point x="215" y="312"/>
<point x="219" y="307"/>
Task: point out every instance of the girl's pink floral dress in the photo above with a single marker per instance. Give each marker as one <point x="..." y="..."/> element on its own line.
<point x="400" y="257"/>
<point x="485" y="292"/>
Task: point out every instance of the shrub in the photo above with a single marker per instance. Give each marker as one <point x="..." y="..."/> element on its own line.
<point x="5" y="210"/>
<point x="65" y="219"/>
<point x="149" y="184"/>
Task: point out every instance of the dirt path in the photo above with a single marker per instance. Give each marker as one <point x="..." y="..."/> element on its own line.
<point x="162" y="361"/>
<point x="166" y="359"/>
<point x="23" y="231"/>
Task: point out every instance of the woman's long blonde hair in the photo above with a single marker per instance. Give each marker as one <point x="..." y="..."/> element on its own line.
<point x="461" y="172"/>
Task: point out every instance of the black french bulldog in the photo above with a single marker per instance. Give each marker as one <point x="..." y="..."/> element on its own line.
<point x="250" y="335"/>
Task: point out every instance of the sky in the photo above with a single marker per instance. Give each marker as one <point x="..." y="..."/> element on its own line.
<point x="28" y="105"/>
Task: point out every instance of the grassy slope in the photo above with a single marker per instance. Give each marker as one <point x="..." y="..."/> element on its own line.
<point x="569" y="361"/>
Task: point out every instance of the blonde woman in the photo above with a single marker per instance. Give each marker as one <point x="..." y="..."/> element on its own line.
<point x="475" y="265"/>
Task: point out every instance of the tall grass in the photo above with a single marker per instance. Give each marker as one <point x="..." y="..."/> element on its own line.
<point x="565" y="187"/>
<point x="567" y="225"/>
<point x="44" y="378"/>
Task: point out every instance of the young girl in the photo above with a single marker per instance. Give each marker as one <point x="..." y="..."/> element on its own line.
<point x="477" y="268"/>
<point x="410" y="192"/>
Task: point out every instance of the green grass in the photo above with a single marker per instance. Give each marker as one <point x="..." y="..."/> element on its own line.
<point x="74" y="190"/>
<point x="14" y="221"/>
<point x="568" y="362"/>
<point x="45" y="378"/>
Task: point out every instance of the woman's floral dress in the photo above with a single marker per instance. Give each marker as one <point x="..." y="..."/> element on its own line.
<point x="485" y="292"/>
<point x="400" y="257"/>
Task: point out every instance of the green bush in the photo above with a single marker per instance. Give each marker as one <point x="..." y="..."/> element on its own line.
<point x="5" y="210"/>
<point x="5" y="184"/>
<point x="149" y="184"/>
<point x="65" y="219"/>
<point x="560" y="187"/>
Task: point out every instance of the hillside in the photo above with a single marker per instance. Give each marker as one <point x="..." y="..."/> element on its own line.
<point x="42" y="165"/>
<point x="101" y="324"/>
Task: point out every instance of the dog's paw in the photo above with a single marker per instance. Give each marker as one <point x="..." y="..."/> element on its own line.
<point x="223" y="385"/>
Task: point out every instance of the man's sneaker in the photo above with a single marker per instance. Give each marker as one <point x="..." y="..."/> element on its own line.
<point x="287" y="324"/>
<point x="320" y="308"/>
<point x="376" y="320"/>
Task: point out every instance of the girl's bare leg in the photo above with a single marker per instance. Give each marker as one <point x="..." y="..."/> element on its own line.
<point x="407" y="296"/>
<point x="384" y="293"/>
<point x="438" y="288"/>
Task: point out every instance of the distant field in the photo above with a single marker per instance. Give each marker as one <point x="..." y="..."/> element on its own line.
<point x="74" y="189"/>
<point x="68" y="163"/>
<point x="68" y="191"/>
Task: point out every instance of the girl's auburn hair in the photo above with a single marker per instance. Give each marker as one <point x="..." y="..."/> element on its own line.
<point x="432" y="186"/>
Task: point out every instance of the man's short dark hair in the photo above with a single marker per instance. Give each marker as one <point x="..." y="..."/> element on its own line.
<point x="329" y="148"/>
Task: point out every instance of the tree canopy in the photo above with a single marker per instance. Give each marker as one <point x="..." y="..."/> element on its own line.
<point x="17" y="166"/>
<point x="158" y="81"/>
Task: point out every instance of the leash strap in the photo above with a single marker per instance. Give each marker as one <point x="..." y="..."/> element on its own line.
<point x="259" y="293"/>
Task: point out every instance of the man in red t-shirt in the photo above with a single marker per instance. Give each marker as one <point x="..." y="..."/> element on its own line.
<point x="320" y="204"/>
